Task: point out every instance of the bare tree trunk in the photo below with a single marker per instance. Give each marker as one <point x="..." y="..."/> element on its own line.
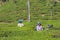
<point x="28" y="2"/>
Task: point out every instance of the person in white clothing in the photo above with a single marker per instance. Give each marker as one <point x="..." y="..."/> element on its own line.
<point x="20" y="24"/>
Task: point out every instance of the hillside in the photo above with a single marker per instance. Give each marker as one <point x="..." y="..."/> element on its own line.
<point x="12" y="10"/>
<point x="44" y="11"/>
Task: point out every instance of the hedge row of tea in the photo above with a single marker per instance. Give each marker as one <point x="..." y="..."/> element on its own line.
<point x="10" y="31"/>
<point x="13" y="10"/>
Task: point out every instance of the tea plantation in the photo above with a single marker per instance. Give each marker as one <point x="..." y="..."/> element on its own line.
<point x="44" y="11"/>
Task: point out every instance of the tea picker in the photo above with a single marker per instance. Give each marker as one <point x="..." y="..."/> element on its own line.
<point x="20" y="23"/>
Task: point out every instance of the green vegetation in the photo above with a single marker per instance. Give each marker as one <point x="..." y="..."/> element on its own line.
<point x="10" y="31"/>
<point x="13" y="10"/>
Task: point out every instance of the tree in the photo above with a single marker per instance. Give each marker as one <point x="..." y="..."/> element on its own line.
<point x="28" y="2"/>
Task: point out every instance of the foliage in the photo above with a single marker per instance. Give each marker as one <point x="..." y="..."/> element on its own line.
<point x="10" y="31"/>
<point x="13" y="11"/>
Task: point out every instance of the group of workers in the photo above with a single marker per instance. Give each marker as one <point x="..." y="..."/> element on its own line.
<point x="38" y="26"/>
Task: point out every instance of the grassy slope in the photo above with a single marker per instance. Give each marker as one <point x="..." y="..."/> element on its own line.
<point x="12" y="32"/>
<point x="12" y="12"/>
